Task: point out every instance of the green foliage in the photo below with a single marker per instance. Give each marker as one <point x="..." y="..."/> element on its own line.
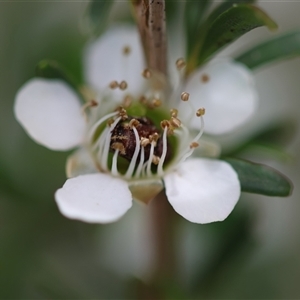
<point x="230" y="25"/>
<point x="193" y="18"/>
<point x="284" y="46"/>
<point x="96" y="16"/>
<point x="260" y="179"/>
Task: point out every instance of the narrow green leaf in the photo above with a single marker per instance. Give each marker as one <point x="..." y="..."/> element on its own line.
<point x="52" y="70"/>
<point x="260" y="179"/>
<point x="96" y="16"/>
<point x="232" y="24"/>
<point x="280" y="47"/>
<point x="222" y="7"/>
<point x="193" y="17"/>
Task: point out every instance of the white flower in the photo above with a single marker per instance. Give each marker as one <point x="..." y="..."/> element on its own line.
<point x="102" y="183"/>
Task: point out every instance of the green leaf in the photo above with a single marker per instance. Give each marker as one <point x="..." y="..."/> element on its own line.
<point x="193" y="17"/>
<point x="260" y="179"/>
<point x="52" y="70"/>
<point x="232" y="24"/>
<point x="96" y="16"/>
<point x="281" y="47"/>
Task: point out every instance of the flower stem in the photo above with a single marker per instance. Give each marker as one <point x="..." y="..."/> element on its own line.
<point x="163" y="221"/>
<point x="150" y="16"/>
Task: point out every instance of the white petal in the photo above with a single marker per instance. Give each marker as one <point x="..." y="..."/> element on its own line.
<point x="105" y="61"/>
<point x="203" y="190"/>
<point x="80" y="162"/>
<point x="50" y="112"/>
<point x="94" y="198"/>
<point x="229" y="95"/>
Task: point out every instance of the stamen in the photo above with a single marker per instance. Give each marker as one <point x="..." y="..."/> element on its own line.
<point x="204" y="78"/>
<point x="175" y="122"/>
<point x="174" y="112"/>
<point x="97" y="124"/>
<point x="156" y="102"/>
<point x="155" y="159"/>
<point x="194" y="145"/>
<point x="200" y="112"/>
<point x="140" y="166"/>
<point x="135" y="154"/>
<point x="113" y="85"/>
<point x="127" y="101"/>
<point x="185" y="96"/>
<point x="164" y="153"/>
<point x="144" y="141"/>
<point x="92" y="103"/>
<point x="133" y="123"/>
<point x="149" y="173"/>
<point x="126" y="50"/>
<point x="180" y="63"/>
<point x="123" y="85"/>
<point x="104" y="156"/>
<point x="146" y="73"/>
<point x="114" y="168"/>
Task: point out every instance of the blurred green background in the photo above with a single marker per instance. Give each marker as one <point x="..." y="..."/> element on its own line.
<point x="254" y="254"/>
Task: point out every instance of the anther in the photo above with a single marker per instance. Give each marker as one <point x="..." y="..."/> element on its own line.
<point x="175" y="122"/>
<point x="127" y="101"/>
<point x="144" y="141"/>
<point x="153" y="137"/>
<point x="204" y="78"/>
<point x="200" y="112"/>
<point x="113" y="85"/>
<point x="122" y="112"/>
<point x="133" y="123"/>
<point x="155" y="159"/>
<point x="164" y="123"/>
<point x="180" y="63"/>
<point x="146" y="73"/>
<point x="126" y="50"/>
<point x="110" y="121"/>
<point x="174" y="112"/>
<point x="123" y="85"/>
<point x="156" y="102"/>
<point x="194" y="145"/>
<point x="118" y="146"/>
<point x="185" y="96"/>
<point x="143" y="100"/>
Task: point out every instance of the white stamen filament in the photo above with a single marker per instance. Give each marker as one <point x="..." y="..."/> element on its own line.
<point x="140" y="166"/>
<point x="164" y="153"/>
<point x="114" y="167"/>
<point x="104" y="156"/>
<point x="135" y="154"/>
<point x="97" y="124"/>
<point x="189" y="151"/>
<point x="149" y="173"/>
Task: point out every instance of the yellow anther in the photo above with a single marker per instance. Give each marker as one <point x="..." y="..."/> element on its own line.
<point x="123" y="85"/>
<point x="110" y="122"/>
<point x="146" y="73"/>
<point x="185" y="96"/>
<point x="164" y="123"/>
<point x="194" y="145"/>
<point x="119" y="146"/>
<point x="127" y="101"/>
<point x="133" y="123"/>
<point x="122" y="112"/>
<point x="180" y="63"/>
<point x="113" y="85"/>
<point x="156" y="102"/>
<point x="153" y="137"/>
<point x="126" y="50"/>
<point x="155" y="159"/>
<point x="175" y="122"/>
<point x="144" y="141"/>
<point x="174" y="112"/>
<point x="143" y="100"/>
<point x="200" y="112"/>
<point x="204" y="78"/>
